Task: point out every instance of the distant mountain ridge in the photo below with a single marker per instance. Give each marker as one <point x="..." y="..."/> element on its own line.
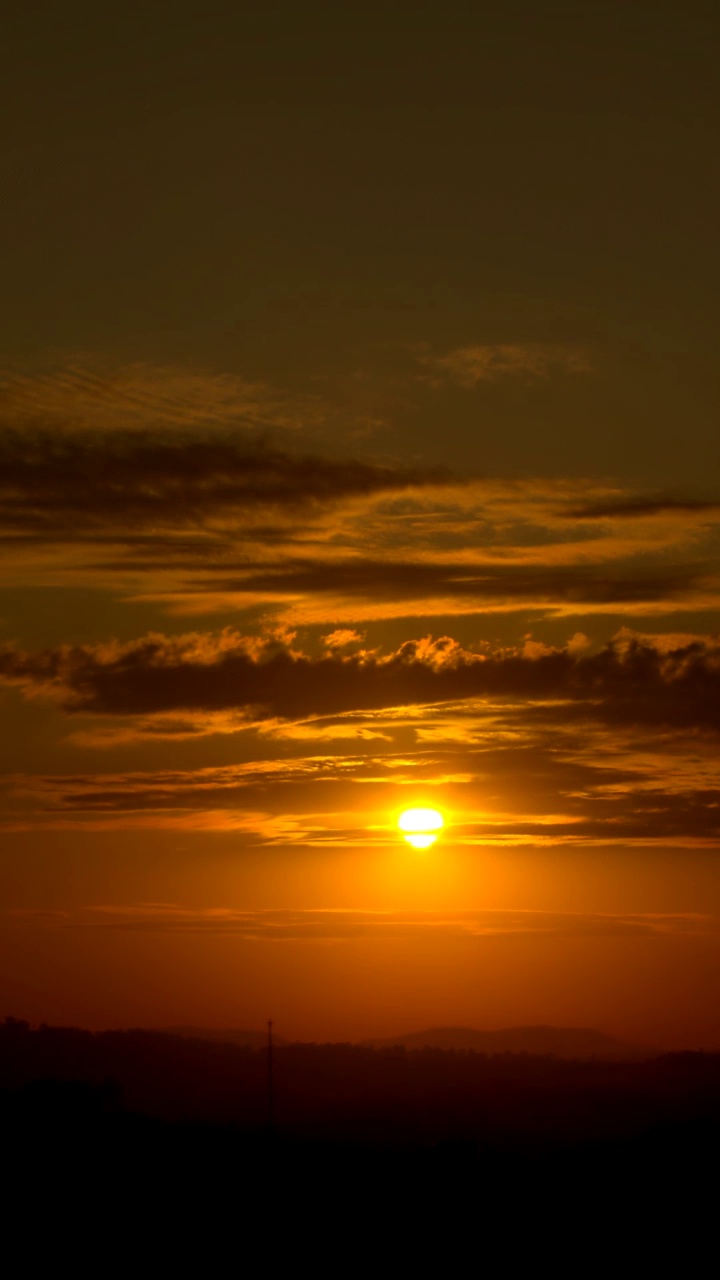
<point x="579" y="1043"/>
<point x="560" y="1042"/>
<point x="224" y="1035"/>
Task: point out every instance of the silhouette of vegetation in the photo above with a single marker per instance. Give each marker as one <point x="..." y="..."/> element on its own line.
<point x="143" y="1127"/>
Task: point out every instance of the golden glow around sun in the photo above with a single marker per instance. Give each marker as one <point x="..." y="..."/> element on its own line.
<point x="420" y="827"/>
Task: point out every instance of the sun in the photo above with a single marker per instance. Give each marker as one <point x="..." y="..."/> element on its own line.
<point x="420" y="827"/>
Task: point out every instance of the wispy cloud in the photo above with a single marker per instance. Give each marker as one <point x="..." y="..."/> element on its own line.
<point x="146" y="396"/>
<point x="202" y="522"/>
<point x="536" y="745"/>
<point x="645" y="507"/>
<point x="65" y="486"/>
<point x="318" y="589"/>
<point x="346" y="925"/>
<point x="487" y="361"/>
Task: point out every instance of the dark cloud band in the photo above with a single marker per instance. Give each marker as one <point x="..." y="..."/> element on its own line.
<point x="631" y="680"/>
<point x="53" y="485"/>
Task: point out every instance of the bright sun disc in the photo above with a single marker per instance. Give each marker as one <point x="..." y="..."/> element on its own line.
<point x="420" y="826"/>
<point x="419" y="841"/>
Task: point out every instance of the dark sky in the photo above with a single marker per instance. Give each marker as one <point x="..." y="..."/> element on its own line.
<point x="359" y="449"/>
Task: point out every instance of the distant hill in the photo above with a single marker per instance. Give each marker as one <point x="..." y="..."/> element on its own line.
<point x="220" y="1035"/>
<point x="560" y="1042"/>
<point x="579" y="1043"/>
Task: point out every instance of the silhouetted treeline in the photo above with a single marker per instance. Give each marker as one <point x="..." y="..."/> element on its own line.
<point x="368" y="1094"/>
<point x="142" y="1118"/>
<point x="338" y="1091"/>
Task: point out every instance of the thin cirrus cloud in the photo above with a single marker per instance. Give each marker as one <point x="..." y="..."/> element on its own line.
<point x="59" y="487"/>
<point x="532" y="793"/>
<point x="646" y="507"/>
<point x="367" y="588"/>
<point x="468" y="366"/>
<point x="339" y="925"/>
<point x="64" y="481"/>
<point x="142" y="395"/>
<point x="89" y="395"/>
<point x="535" y="746"/>
<point x="209" y="522"/>
<point x="335" y="781"/>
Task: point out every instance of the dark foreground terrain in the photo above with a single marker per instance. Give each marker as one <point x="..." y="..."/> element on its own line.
<point x="134" y="1141"/>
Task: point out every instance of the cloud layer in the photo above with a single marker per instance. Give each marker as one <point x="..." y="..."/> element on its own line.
<point x="74" y="484"/>
<point x="532" y="745"/>
<point x="344" y="925"/>
<point x="630" y="681"/>
<point x="485" y="362"/>
<point x="362" y="593"/>
<point x="145" y="483"/>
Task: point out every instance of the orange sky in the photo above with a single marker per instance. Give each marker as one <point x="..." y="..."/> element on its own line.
<point x="358" y="450"/>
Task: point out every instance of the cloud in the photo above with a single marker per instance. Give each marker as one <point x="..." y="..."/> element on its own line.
<point x="363" y="588"/>
<point x="211" y="521"/>
<point x="630" y="680"/>
<point x="163" y="486"/>
<point x="644" y="507"/>
<point x="487" y="361"/>
<point x="341" y="638"/>
<point x="508" y="770"/>
<point x="347" y="925"/>
<point x="146" y="396"/>
<point x="74" y="485"/>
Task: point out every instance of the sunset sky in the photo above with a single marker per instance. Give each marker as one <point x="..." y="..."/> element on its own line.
<point x="359" y="449"/>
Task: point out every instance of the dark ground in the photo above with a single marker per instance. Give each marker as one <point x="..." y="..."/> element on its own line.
<point x="154" y="1148"/>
